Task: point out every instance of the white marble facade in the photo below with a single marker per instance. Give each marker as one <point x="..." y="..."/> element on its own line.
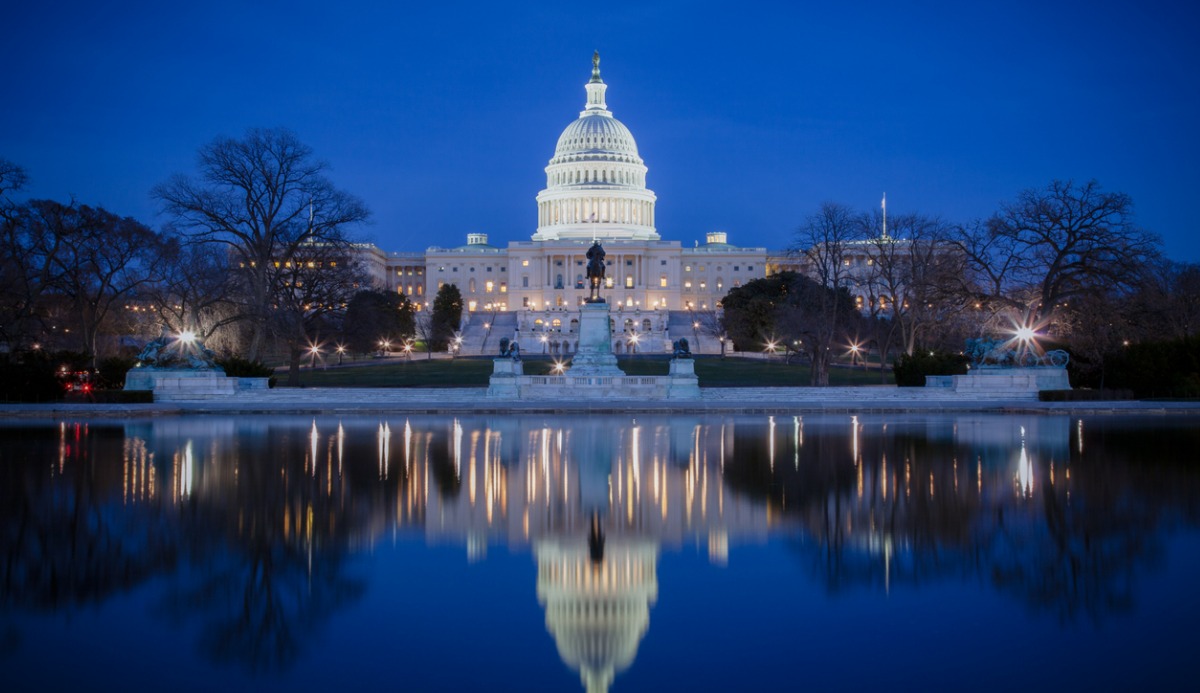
<point x="595" y="190"/>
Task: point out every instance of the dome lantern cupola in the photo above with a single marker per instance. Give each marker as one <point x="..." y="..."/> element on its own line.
<point x="595" y="91"/>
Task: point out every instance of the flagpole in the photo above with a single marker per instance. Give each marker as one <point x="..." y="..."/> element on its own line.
<point x="885" y="215"/>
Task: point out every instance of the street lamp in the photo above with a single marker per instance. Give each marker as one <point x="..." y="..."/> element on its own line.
<point x="559" y="367"/>
<point x="314" y="350"/>
<point x="408" y="349"/>
<point x="341" y="351"/>
<point x="633" y="342"/>
<point x="854" y="355"/>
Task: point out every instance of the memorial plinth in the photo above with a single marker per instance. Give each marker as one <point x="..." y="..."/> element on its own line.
<point x="594" y="356"/>
<point x="1000" y="380"/>
<point x="593" y="374"/>
<point x="180" y="383"/>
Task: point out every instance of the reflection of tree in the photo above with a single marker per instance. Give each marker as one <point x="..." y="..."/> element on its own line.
<point x="1080" y="556"/>
<point x="1069" y="538"/>
<point x="268" y="553"/>
<point x="67" y="539"/>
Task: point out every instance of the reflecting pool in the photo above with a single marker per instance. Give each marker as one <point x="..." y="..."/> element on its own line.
<point x="597" y="553"/>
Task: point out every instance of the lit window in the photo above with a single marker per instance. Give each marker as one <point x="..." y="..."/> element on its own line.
<point x="524" y="263"/>
<point x="487" y="287"/>
<point x="503" y="288"/>
<point x="662" y="281"/>
<point x="687" y="285"/>
<point x="629" y="281"/>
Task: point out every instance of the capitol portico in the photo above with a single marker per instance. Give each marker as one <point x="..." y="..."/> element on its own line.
<point x="532" y="290"/>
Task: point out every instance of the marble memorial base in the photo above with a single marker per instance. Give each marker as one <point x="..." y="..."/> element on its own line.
<point x="1003" y="381"/>
<point x="180" y="383"/>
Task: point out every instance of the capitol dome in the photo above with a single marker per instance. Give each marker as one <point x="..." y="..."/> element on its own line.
<point x="596" y="182"/>
<point x="597" y="136"/>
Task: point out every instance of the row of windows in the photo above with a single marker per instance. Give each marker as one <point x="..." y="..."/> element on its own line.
<point x="720" y="268"/>
<point x="596" y="176"/>
<point x="442" y="268"/>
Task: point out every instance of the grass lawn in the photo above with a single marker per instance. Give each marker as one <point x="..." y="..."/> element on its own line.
<point x="474" y="372"/>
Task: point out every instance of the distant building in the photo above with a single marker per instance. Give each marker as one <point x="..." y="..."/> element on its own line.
<point x="531" y="290"/>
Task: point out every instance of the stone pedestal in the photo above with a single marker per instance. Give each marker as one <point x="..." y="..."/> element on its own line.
<point x="594" y="356"/>
<point x="1004" y="380"/>
<point x="180" y="383"/>
<point x="682" y="383"/>
<point x="505" y="377"/>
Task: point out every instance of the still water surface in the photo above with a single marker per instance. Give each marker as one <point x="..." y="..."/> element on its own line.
<point x="543" y="553"/>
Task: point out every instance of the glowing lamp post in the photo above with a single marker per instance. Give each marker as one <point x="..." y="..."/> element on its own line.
<point x="633" y="342"/>
<point x="341" y="351"/>
<point x="313" y="350"/>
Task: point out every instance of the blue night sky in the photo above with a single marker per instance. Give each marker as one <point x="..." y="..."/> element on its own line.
<point x="441" y="116"/>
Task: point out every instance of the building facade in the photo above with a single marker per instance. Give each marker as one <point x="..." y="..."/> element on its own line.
<point x="532" y="290"/>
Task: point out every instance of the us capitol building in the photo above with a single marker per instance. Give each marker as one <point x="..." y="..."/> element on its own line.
<point x="531" y="290"/>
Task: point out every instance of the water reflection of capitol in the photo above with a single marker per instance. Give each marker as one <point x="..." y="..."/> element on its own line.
<point x="595" y="503"/>
<point x="595" y="499"/>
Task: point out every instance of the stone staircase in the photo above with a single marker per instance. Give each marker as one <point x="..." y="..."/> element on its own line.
<point x="482" y="331"/>
<point x="680" y="323"/>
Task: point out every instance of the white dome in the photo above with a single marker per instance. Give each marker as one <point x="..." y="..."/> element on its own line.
<point x="600" y="136"/>
<point x="596" y="182"/>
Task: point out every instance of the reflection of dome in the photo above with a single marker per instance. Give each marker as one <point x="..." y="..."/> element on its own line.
<point x="596" y="182"/>
<point x="597" y="613"/>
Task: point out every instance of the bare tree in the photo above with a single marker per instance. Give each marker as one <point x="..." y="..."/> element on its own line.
<point x="262" y="198"/>
<point x="911" y="272"/>
<point x="26" y="248"/>
<point x="103" y="261"/>
<point x="198" y="294"/>
<point x="824" y="243"/>
<point x="316" y="286"/>
<point x="1053" y="246"/>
